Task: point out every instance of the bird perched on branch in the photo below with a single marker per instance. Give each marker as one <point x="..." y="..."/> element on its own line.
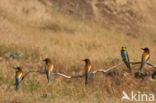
<point x="125" y="57"/>
<point x="48" y="68"/>
<point x="19" y="77"/>
<point x="87" y="70"/>
<point x="145" y="58"/>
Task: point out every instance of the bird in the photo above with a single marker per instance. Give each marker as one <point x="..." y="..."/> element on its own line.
<point x="145" y="58"/>
<point x="18" y="77"/>
<point x="48" y="68"/>
<point x="125" y="57"/>
<point x="87" y="70"/>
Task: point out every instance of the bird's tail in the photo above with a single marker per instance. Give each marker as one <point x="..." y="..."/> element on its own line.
<point x="17" y="84"/>
<point x="128" y="66"/>
<point x="142" y="65"/>
<point x="87" y="78"/>
<point x="49" y="76"/>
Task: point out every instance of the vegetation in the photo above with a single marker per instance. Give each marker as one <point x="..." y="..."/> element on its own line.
<point x="38" y="32"/>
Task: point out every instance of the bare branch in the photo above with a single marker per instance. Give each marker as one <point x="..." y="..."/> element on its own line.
<point x="65" y="76"/>
<point x="80" y="76"/>
<point x="26" y="74"/>
<point x="94" y="72"/>
<point x="68" y="77"/>
<point x="152" y="65"/>
<point x="134" y="62"/>
<point x="102" y="70"/>
<point x="140" y="63"/>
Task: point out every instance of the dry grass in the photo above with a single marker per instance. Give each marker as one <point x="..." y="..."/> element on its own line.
<point x="40" y="31"/>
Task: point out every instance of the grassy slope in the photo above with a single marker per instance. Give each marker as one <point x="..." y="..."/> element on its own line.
<point x="41" y="32"/>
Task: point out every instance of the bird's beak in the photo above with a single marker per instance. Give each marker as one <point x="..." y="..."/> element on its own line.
<point x="83" y="60"/>
<point x="142" y="48"/>
<point x="16" y="68"/>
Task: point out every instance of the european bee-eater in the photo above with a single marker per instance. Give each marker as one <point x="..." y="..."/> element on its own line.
<point x="145" y="58"/>
<point x="18" y="77"/>
<point x="48" y="68"/>
<point x="87" y="70"/>
<point x="125" y="57"/>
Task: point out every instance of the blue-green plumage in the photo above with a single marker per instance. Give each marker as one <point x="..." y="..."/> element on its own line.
<point x="87" y="78"/>
<point x="142" y="65"/>
<point x="124" y="55"/>
<point x="48" y="76"/>
<point x="125" y="58"/>
<point x="17" y="83"/>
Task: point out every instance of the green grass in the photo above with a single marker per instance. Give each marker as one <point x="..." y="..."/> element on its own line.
<point x="18" y="52"/>
<point x="32" y="85"/>
<point x="66" y="39"/>
<point x="1" y="80"/>
<point x="58" y="28"/>
<point x="44" y="95"/>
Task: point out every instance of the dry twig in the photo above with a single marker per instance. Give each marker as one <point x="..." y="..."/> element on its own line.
<point x="140" y="63"/>
<point x="103" y="70"/>
<point x="98" y="70"/>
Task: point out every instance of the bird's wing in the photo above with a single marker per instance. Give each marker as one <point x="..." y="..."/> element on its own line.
<point x="19" y="74"/>
<point x="145" y="57"/>
<point x="128" y="56"/>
